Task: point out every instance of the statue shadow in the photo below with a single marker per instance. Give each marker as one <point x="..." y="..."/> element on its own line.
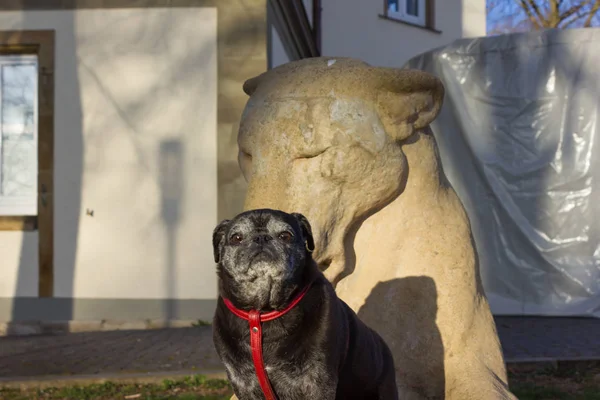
<point x="409" y="328"/>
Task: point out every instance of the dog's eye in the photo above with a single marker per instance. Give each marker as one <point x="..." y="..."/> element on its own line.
<point x="286" y="236"/>
<point x="236" y="238"/>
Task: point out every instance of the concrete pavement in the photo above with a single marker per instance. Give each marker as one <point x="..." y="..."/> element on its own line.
<point x="131" y="353"/>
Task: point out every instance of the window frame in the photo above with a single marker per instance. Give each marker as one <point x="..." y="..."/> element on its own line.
<point x="425" y="21"/>
<point x="42" y="44"/>
<point x="420" y="19"/>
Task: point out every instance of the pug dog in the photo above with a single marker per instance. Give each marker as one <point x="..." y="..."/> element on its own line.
<point x="279" y="328"/>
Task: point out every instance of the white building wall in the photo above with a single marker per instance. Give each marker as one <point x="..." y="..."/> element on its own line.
<point x="128" y="83"/>
<point x="353" y="28"/>
<point x="474" y="17"/>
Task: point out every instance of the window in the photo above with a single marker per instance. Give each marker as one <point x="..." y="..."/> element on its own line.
<point x="411" y="11"/>
<point x="18" y="135"/>
<point x="27" y="142"/>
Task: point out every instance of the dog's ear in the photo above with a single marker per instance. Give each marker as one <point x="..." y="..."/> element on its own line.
<point x="306" y="231"/>
<point x="217" y="239"/>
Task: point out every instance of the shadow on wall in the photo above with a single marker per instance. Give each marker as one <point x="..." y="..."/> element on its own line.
<point x="416" y="334"/>
<point x="171" y="187"/>
<point x="66" y="193"/>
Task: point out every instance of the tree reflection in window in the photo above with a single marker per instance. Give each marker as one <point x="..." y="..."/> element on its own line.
<point x="18" y="127"/>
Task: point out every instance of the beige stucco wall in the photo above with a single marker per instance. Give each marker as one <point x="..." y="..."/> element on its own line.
<point x="353" y="28"/>
<point x="128" y="82"/>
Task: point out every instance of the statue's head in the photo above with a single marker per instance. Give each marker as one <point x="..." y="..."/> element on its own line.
<point x="323" y="137"/>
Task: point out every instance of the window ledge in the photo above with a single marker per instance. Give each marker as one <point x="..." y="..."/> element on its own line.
<point x="18" y="223"/>
<point x="427" y="28"/>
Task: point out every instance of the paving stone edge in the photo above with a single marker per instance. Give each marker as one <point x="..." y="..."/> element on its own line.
<point x="26" y="328"/>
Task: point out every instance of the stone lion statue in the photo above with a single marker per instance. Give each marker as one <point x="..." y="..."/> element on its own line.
<point x="349" y="146"/>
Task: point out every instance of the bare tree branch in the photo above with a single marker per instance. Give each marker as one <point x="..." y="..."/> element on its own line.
<point x="592" y="13"/>
<point x="523" y="3"/>
<point x="573" y="10"/>
<point x="522" y="15"/>
<point x="566" y="24"/>
<point x="534" y="6"/>
<point x="554" y="17"/>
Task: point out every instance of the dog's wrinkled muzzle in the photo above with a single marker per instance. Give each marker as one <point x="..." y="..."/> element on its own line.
<point x="263" y="253"/>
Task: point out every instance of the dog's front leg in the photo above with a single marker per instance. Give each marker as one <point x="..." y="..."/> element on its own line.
<point x="325" y="394"/>
<point x="316" y="387"/>
<point x="309" y="385"/>
<point x="312" y="392"/>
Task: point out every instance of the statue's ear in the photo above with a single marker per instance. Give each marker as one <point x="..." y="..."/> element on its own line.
<point x="251" y="84"/>
<point x="306" y="231"/>
<point x="409" y="101"/>
<point x="217" y="239"/>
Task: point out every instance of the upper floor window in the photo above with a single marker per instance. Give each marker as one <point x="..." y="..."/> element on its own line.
<point x="18" y="134"/>
<point x="412" y="11"/>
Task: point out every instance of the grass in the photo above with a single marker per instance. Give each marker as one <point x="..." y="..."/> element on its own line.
<point x="201" y="323"/>
<point x="567" y="381"/>
<point x="195" y="387"/>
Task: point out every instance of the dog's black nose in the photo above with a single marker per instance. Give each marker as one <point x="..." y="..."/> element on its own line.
<point x="262" y="238"/>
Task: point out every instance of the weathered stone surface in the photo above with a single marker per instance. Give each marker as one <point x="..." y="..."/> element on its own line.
<point x="163" y="323"/>
<point x="19" y="328"/>
<point x="348" y="145"/>
<point x="54" y="327"/>
<point x="115" y="325"/>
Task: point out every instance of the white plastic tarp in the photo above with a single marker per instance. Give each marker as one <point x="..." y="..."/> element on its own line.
<point x="519" y="137"/>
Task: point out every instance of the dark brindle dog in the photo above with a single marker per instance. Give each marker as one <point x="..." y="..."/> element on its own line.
<point x="279" y="327"/>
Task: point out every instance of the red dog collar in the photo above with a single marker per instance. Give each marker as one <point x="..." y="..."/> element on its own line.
<point x="255" y="318"/>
